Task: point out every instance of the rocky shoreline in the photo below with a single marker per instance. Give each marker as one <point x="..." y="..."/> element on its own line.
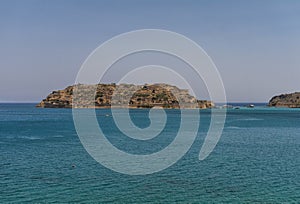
<point x="291" y="100"/>
<point x="126" y="95"/>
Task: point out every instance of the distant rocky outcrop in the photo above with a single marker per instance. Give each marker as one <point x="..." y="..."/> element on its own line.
<point x="124" y="95"/>
<point x="286" y="100"/>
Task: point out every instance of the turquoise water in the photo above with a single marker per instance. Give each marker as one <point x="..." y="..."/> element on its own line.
<point x="256" y="160"/>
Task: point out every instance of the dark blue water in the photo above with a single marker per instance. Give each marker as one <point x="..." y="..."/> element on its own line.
<point x="256" y="160"/>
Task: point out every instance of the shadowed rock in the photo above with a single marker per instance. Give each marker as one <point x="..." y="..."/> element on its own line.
<point x="286" y="100"/>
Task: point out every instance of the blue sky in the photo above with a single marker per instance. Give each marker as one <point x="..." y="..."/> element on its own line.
<point x="255" y="44"/>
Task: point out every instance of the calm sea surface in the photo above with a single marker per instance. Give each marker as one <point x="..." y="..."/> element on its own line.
<point x="257" y="160"/>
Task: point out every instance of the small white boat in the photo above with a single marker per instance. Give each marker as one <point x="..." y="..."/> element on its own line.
<point x="251" y="106"/>
<point x="227" y="106"/>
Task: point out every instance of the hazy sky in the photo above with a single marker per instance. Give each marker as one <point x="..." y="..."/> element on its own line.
<point x="255" y="44"/>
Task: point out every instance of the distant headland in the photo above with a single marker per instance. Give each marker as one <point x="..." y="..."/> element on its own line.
<point x="140" y="96"/>
<point x="291" y="100"/>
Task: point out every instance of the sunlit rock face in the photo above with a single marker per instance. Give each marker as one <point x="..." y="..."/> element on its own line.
<point x="125" y="95"/>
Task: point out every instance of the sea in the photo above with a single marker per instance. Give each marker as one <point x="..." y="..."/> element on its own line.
<point x="257" y="159"/>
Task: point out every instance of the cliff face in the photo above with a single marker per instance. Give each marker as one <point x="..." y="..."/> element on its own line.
<point x="123" y="95"/>
<point x="286" y="100"/>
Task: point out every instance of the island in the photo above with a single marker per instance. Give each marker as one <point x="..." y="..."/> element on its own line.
<point x="291" y="100"/>
<point x="139" y="96"/>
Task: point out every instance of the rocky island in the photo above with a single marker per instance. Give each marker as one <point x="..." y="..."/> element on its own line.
<point x="140" y="96"/>
<point x="291" y="100"/>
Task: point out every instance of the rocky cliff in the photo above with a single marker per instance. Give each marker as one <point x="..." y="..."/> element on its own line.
<point x="124" y="95"/>
<point x="286" y="100"/>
